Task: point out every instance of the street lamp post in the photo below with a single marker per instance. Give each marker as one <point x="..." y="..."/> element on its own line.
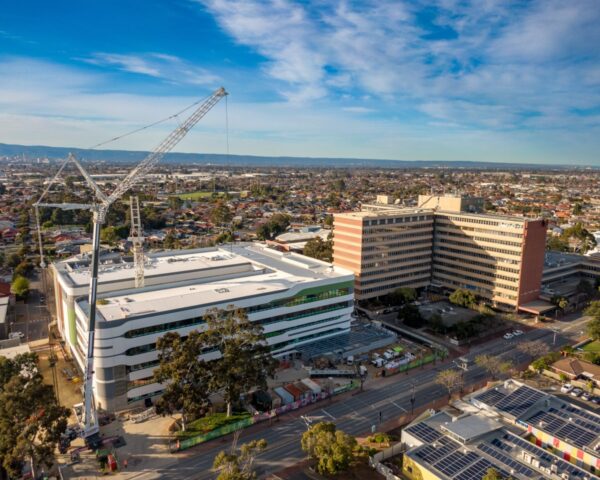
<point x="412" y="400"/>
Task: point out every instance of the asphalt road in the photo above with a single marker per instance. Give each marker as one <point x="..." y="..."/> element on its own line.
<point x="31" y="318"/>
<point x="354" y="415"/>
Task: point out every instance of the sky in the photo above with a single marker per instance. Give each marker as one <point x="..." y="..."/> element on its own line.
<point x="482" y="80"/>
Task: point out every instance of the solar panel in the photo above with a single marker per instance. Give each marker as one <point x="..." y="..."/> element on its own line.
<point x="455" y="462"/>
<point x="582" y="413"/>
<point x="561" y="464"/>
<point x="519" y="401"/>
<point x="576" y="435"/>
<point x="546" y="422"/>
<point x="431" y="454"/>
<point x="478" y="470"/>
<point x="564" y="428"/>
<point x="423" y="432"/>
<point x="506" y="460"/>
<point x="501" y="445"/>
<point x="490" y="397"/>
<point x="579" y="419"/>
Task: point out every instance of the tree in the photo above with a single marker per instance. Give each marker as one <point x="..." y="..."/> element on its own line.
<point x="593" y="326"/>
<point x="220" y="214"/>
<point x="2" y="189"/>
<point x="13" y="260"/>
<point x="560" y="302"/>
<point x="410" y="315"/>
<point x="332" y="449"/>
<point x="175" y="203"/>
<point x="239" y="466"/>
<point x="449" y="379"/>
<point x="23" y="269"/>
<point x="246" y="359"/>
<point x="402" y="296"/>
<point x="276" y="225"/>
<point x="493" y="474"/>
<point x="186" y="378"/>
<point x="319" y="249"/>
<point x="109" y="235"/>
<point x="494" y="365"/>
<point x="20" y="287"/>
<point x="463" y="298"/>
<point x="31" y="420"/>
<point x="170" y="241"/>
<point x="577" y="209"/>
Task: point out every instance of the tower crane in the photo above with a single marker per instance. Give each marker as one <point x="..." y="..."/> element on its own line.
<point x="99" y="210"/>
<point x="136" y="237"/>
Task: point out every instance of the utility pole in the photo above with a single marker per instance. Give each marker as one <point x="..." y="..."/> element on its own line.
<point x="412" y="400"/>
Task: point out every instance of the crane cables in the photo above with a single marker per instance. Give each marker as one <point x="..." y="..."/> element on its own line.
<point x="170" y="117"/>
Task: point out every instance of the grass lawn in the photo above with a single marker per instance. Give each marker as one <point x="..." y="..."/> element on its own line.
<point x="198" y="195"/>
<point x="211" y="422"/>
<point x="592" y="347"/>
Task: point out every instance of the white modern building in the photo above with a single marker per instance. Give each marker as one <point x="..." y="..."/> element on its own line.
<point x="296" y="299"/>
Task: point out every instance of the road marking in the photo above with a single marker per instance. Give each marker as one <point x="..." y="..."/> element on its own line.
<point x="401" y="408"/>
<point x="328" y="414"/>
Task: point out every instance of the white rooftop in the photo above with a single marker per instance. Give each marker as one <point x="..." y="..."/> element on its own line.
<point x="265" y="271"/>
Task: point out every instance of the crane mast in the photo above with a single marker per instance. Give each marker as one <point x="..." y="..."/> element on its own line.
<point x="99" y="211"/>
<point x="137" y="239"/>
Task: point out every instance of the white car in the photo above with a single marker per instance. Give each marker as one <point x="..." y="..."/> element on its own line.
<point x="508" y="336"/>
<point x="566" y="388"/>
<point x="516" y="333"/>
<point x="16" y="335"/>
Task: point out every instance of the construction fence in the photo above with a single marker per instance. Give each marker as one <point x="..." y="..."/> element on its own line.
<point x="178" y="445"/>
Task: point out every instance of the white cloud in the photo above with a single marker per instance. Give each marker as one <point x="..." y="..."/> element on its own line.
<point x="157" y="65"/>
<point x="503" y="59"/>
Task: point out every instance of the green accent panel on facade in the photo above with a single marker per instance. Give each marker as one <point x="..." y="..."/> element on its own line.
<point x="325" y="288"/>
<point x="71" y="319"/>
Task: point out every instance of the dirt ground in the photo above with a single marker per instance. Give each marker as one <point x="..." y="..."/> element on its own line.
<point x="67" y="391"/>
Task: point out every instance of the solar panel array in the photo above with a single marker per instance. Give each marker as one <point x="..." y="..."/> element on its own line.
<point x="490" y="397"/>
<point x="457" y="461"/>
<point x="431" y="454"/>
<point x="518" y="402"/>
<point x="582" y="413"/>
<point x="563" y="429"/>
<point x="575" y="417"/>
<point x="478" y="470"/>
<point x="510" y="462"/>
<point x="423" y="432"/>
<point x="562" y="465"/>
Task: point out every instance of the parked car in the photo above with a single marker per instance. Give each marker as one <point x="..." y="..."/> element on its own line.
<point x="596" y="399"/>
<point x="587" y="396"/>
<point x="508" y="336"/>
<point x="576" y="392"/>
<point x="516" y="333"/>
<point x="566" y="388"/>
<point x="387" y="355"/>
<point x="16" y="335"/>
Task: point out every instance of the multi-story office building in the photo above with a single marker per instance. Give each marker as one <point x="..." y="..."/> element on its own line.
<point x="296" y="299"/>
<point x="500" y="258"/>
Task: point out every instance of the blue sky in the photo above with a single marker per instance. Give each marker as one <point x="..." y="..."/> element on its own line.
<point x="487" y="80"/>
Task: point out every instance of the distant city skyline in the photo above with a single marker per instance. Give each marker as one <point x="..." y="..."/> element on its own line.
<point x="491" y="81"/>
